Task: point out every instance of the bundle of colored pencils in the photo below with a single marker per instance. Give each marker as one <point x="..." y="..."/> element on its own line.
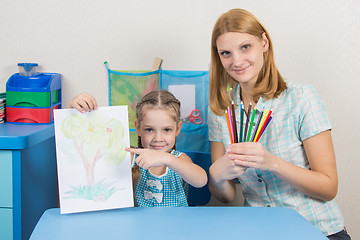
<point x="231" y="122"/>
<point x="246" y="134"/>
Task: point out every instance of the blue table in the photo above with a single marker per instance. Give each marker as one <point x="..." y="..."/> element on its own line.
<point x="177" y="223"/>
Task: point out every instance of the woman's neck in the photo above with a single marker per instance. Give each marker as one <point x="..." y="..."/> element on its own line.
<point x="247" y="97"/>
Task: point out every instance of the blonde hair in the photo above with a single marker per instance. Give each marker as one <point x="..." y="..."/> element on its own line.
<point x="269" y="83"/>
<point x="159" y="100"/>
<point x="156" y="100"/>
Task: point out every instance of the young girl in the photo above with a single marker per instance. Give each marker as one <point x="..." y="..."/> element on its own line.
<point x="160" y="173"/>
<point x="293" y="165"/>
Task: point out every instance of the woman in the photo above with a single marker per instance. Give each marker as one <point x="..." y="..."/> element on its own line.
<point x="293" y="164"/>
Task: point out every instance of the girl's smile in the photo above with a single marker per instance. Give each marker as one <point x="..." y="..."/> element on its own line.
<point x="157" y="129"/>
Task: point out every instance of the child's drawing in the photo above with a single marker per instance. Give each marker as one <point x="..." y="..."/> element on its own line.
<point x="94" y="170"/>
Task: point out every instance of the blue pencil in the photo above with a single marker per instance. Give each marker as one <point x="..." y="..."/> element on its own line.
<point x="265" y="127"/>
<point x="257" y="126"/>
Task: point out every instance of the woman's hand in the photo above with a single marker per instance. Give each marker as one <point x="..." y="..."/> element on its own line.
<point x="83" y="102"/>
<point x="251" y="155"/>
<point x="320" y="181"/>
<point x="222" y="172"/>
<point x="224" y="169"/>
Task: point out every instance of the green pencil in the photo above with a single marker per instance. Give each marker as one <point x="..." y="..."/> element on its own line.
<point x="247" y="121"/>
<point x="251" y="124"/>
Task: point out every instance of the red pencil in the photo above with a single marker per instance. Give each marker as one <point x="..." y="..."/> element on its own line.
<point x="228" y="124"/>
<point x="263" y="126"/>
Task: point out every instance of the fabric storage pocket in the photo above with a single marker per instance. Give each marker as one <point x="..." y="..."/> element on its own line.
<point x="193" y="137"/>
<point x="127" y="87"/>
<point x="190" y="87"/>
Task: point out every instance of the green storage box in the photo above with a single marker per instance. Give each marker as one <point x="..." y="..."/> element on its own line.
<point x="32" y="99"/>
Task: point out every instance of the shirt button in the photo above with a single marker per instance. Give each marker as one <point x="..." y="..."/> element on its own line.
<point x="259" y="180"/>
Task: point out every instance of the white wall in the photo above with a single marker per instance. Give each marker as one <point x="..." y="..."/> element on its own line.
<point x="315" y="42"/>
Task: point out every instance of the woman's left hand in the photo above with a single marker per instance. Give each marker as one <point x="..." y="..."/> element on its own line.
<point x="251" y="155"/>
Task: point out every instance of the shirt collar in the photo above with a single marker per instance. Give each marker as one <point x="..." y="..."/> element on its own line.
<point x="261" y="104"/>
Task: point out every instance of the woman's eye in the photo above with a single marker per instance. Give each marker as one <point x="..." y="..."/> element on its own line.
<point x="245" y="47"/>
<point x="224" y="53"/>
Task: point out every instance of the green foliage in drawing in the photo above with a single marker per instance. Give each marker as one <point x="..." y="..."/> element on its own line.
<point x="99" y="192"/>
<point x="95" y="137"/>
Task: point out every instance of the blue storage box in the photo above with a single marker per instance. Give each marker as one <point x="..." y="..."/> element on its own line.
<point x="27" y="94"/>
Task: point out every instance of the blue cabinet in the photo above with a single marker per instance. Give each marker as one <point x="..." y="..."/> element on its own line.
<point x="28" y="180"/>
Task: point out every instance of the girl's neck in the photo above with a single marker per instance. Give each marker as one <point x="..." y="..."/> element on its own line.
<point x="158" y="171"/>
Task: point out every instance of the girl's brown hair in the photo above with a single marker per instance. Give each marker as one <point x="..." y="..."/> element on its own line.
<point x="269" y="83"/>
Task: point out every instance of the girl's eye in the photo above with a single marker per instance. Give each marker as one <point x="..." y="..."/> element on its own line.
<point x="148" y="129"/>
<point x="167" y="130"/>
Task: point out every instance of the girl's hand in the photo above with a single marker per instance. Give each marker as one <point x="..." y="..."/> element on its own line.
<point x="149" y="158"/>
<point x="251" y="155"/>
<point x="183" y="165"/>
<point x="83" y="102"/>
<point x="224" y="169"/>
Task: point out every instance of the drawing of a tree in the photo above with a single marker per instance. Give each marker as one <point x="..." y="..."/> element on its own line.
<point x="95" y="138"/>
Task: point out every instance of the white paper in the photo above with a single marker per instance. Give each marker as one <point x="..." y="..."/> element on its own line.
<point x="94" y="170"/>
<point x="186" y="95"/>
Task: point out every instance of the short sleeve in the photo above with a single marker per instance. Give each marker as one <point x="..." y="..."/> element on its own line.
<point x="133" y="162"/>
<point x="314" y="118"/>
<point x="176" y="153"/>
<point x="214" y="127"/>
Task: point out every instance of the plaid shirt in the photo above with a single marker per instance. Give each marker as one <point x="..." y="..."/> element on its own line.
<point x="298" y="113"/>
<point x="167" y="190"/>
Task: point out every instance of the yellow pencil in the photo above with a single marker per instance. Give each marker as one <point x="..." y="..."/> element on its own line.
<point x="261" y="123"/>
